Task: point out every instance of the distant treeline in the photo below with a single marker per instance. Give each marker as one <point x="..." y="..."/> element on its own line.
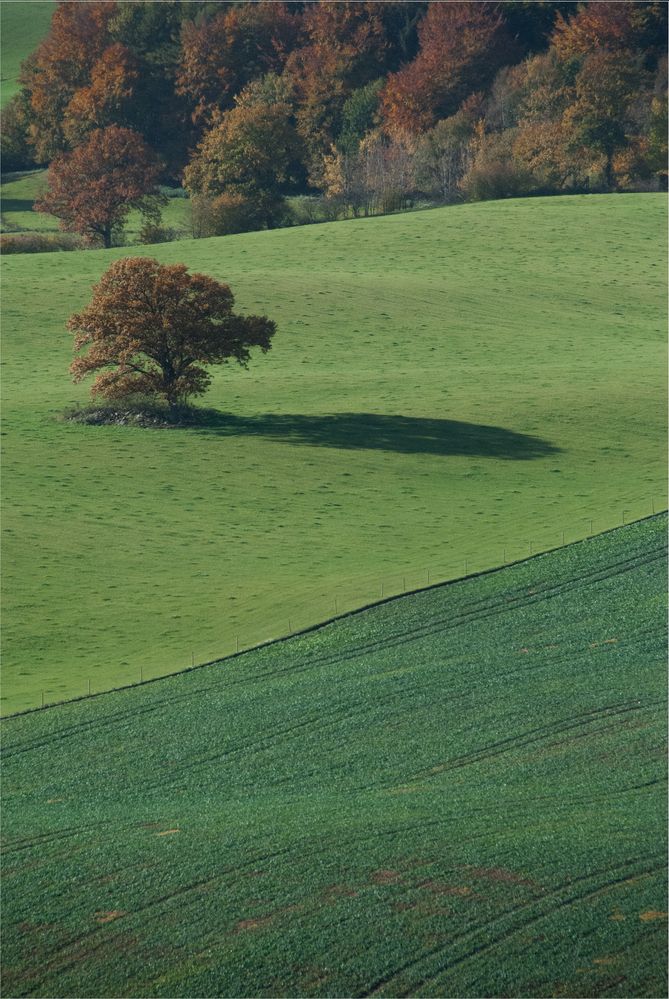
<point x="368" y="104"/>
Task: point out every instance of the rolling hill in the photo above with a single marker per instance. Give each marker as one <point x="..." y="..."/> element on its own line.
<point x="18" y="192"/>
<point x="460" y="792"/>
<point x="448" y="389"/>
<point x="22" y="27"/>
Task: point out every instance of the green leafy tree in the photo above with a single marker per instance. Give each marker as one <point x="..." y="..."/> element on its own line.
<point x="606" y="87"/>
<point x="254" y="152"/>
<point x="359" y="116"/>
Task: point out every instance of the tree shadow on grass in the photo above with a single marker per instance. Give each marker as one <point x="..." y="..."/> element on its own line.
<point x="10" y="205"/>
<point x="373" y="431"/>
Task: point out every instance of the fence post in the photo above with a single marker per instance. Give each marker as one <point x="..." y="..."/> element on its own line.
<point x="89" y="686"/>
<point x="237" y="642"/>
<point x="42" y="698"/>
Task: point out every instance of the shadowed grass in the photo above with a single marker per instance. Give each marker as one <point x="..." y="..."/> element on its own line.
<point x="354" y="431"/>
<point x="375" y="431"/>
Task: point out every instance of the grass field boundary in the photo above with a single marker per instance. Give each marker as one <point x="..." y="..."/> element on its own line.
<point x="527" y="403"/>
<point x="336" y="617"/>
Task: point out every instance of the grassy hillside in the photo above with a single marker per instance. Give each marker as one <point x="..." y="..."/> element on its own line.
<point x="447" y="389"/>
<point x="22" y="27"/>
<point x="19" y="191"/>
<point x="457" y="793"/>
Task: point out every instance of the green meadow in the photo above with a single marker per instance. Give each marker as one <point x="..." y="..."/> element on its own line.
<point x="448" y="389"/>
<point x="461" y="792"/>
<point x="19" y="191"/>
<point x="22" y="28"/>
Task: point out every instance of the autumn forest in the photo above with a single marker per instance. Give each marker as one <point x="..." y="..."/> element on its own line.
<point x="364" y="108"/>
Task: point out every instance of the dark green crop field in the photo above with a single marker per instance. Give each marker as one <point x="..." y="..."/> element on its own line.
<point x="460" y="792"/>
<point x="446" y="388"/>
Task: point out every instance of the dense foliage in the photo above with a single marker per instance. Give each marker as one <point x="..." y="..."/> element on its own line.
<point x="150" y="327"/>
<point x="93" y="188"/>
<point x="488" y="99"/>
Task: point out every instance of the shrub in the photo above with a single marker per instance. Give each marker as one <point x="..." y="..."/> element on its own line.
<point x="495" y="179"/>
<point x="235" y="213"/>
<point x="307" y="210"/>
<point x="228" y="213"/>
<point x="496" y="173"/>
<point x="152" y="232"/>
<point x="38" y="242"/>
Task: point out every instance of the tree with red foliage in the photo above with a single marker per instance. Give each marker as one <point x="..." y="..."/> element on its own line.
<point x="462" y="45"/>
<point x="150" y="328"/>
<point x="92" y="189"/>
<point x="346" y="48"/>
<point x="220" y="56"/>
<point x="613" y="26"/>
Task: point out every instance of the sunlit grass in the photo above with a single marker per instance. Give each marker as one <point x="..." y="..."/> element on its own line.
<point x="447" y="389"/>
<point x="23" y="25"/>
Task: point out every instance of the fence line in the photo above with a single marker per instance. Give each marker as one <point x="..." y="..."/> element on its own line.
<point x="362" y="601"/>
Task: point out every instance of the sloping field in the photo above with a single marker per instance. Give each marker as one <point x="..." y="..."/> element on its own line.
<point x="23" y="25"/>
<point x="447" y="389"/>
<point x="457" y="793"/>
<point x="19" y="191"/>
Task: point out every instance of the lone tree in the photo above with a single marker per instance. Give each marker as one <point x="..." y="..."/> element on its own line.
<point x="150" y="328"/>
<point x="92" y="189"/>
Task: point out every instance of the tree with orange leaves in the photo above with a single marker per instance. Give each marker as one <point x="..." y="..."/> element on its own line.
<point x="348" y="46"/>
<point x="150" y="328"/>
<point x="462" y="45"/>
<point x="221" y="55"/>
<point x="107" y="99"/>
<point x="612" y="25"/>
<point x="60" y="66"/>
<point x="92" y="189"/>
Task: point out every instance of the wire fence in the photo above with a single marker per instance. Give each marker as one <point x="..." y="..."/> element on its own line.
<point x="311" y="609"/>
